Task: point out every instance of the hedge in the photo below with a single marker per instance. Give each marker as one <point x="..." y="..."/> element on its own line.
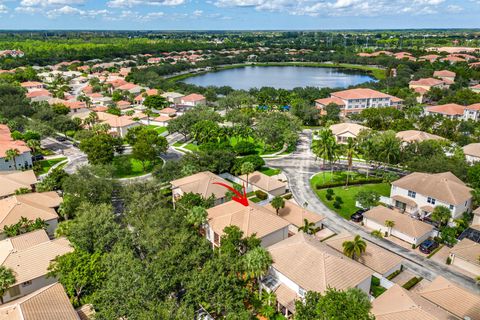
<point x="319" y="186"/>
<point x="261" y="195"/>
<point x="412" y="282"/>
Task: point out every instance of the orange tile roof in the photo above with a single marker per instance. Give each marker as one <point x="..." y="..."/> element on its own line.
<point x="444" y="73"/>
<point x="360" y="93"/>
<point x="193" y="97"/>
<point x="452" y="109"/>
<point x="327" y="101"/>
<point x="430" y="82"/>
<point x="7" y="143"/>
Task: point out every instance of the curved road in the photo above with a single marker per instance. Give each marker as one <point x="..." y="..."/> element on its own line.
<point x="301" y="165"/>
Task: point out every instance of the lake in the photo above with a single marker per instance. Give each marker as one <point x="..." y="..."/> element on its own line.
<point x="287" y="77"/>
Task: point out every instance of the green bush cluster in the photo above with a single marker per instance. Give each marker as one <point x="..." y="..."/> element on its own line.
<point x="261" y="195"/>
<point x="412" y="282"/>
<point x="360" y="181"/>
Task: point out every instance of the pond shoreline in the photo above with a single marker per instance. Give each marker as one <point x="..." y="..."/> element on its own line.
<point x="373" y="71"/>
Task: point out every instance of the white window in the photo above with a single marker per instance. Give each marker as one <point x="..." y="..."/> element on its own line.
<point x="431" y="200"/>
<point x="27" y="283"/>
<point x="412" y="194"/>
<point x="301" y="292"/>
<point x="451" y="207"/>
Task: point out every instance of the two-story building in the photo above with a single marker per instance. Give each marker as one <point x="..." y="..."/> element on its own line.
<point x="450" y="110"/>
<point x="445" y="75"/>
<point x="472" y="112"/>
<point x="29" y="256"/>
<point x="24" y="158"/>
<point x="355" y="100"/>
<point x="202" y="183"/>
<point x="417" y="194"/>
<point x="193" y="100"/>
<point x="302" y="263"/>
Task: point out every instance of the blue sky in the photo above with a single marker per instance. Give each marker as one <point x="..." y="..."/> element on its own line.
<point x="238" y="14"/>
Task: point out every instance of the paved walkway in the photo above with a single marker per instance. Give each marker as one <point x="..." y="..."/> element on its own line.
<point x="301" y="165"/>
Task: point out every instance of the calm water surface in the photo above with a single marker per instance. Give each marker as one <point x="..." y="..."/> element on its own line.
<point x="287" y="77"/>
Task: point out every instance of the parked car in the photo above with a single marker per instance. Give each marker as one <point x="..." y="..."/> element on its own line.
<point x="358" y="216"/>
<point x="428" y="246"/>
<point x="38" y="157"/>
<point x="60" y="138"/>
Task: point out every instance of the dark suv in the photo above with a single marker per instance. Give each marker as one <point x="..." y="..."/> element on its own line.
<point x="428" y="246"/>
<point x="358" y="216"/>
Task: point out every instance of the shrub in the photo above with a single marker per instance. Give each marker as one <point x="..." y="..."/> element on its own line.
<point x="256" y="160"/>
<point x="449" y="260"/>
<point x="261" y="195"/>
<point x="330" y="192"/>
<point x="288" y="196"/>
<point x="337" y="205"/>
<point x="412" y="282"/>
<point x="414" y="246"/>
<point x="393" y="275"/>
<point x="245" y="148"/>
<point x="338" y="199"/>
<point x="319" y="186"/>
<point x="329" y="197"/>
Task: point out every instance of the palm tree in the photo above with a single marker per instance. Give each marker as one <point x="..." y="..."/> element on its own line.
<point x="278" y="203"/>
<point x="7" y="279"/>
<point x="247" y="168"/>
<point x="377" y="233"/>
<point x="12" y="154"/>
<point x="257" y="261"/>
<point x="350" y="151"/>
<point x="323" y="146"/>
<point x="91" y="119"/>
<point x="389" y="224"/>
<point x="34" y="145"/>
<point x="309" y="227"/>
<point x="355" y="248"/>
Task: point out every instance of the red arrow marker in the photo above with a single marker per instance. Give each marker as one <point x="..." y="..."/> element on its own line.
<point x="240" y="198"/>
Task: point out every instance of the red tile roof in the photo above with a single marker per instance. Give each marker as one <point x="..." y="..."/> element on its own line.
<point x="360" y="93"/>
<point x="451" y="109"/>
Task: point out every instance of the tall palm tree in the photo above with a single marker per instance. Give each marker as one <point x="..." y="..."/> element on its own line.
<point x="7" y="279"/>
<point x="323" y="146"/>
<point x="350" y="151"/>
<point x="367" y="150"/>
<point x="34" y="145"/>
<point x="12" y="154"/>
<point x="354" y="248"/>
<point x="278" y="203"/>
<point x="309" y="227"/>
<point x="389" y="224"/>
<point x="247" y="168"/>
<point x="257" y="261"/>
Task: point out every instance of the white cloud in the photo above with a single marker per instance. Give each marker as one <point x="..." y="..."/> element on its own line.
<point x="132" y="3"/>
<point x="46" y="3"/>
<point x="338" y="7"/>
<point x="68" y="10"/>
<point x="3" y="9"/>
<point x="197" y="13"/>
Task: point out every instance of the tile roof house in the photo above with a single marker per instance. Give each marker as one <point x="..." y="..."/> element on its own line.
<point x="445" y="75"/>
<point x="30" y="206"/>
<point x="39" y="95"/>
<point x="406" y="228"/>
<point x="10" y="181"/>
<point x="201" y="183"/>
<point x="465" y="255"/>
<point x="418" y="193"/>
<point x="398" y="303"/>
<point x="296" y="216"/>
<point x="475" y="88"/>
<point x="173" y="97"/>
<point x="452" y="298"/>
<point x="472" y="112"/>
<point x="48" y="303"/>
<point x="429" y="57"/>
<point x="450" y="110"/>
<point x="378" y="259"/>
<point x="428" y="84"/>
<point x="119" y="125"/>
<point x="343" y="131"/>
<point x="356" y="100"/>
<point x="29" y="256"/>
<point x="30" y="85"/>
<point x="410" y="136"/>
<point x="141" y="97"/>
<point x="260" y="181"/>
<point x="193" y="99"/>
<point x="22" y="161"/>
<point x="472" y="152"/>
<point x="252" y="220"/>
<point x="301" y="263"/>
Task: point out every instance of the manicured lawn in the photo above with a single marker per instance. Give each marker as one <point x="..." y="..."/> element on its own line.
<point x="191" y="147"/>
<point x="177" y="144"/>
<point x="125" y="166"/>
<point x="348" y="196"/>
<point x="259" y="145"/>
<point x="160" y="130"/>
<point x="269" y="171"/>
<point x="45" y="165"/>
<point x="338" y="176"/>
